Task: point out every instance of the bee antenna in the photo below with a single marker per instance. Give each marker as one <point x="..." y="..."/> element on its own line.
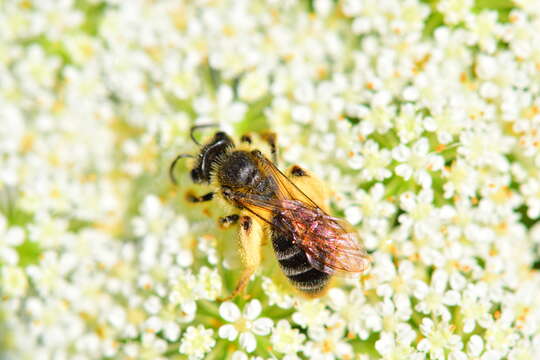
<point x="173" y="164"/>
<point x="196" y="127"/>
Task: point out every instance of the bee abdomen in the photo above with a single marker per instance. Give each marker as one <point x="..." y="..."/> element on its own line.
<point x="311" y="282"/>
<point x="287" y="253"/>
<point x="295" y="265"/>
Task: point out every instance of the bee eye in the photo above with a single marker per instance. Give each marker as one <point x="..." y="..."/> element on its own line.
<point x="197" y="175"/>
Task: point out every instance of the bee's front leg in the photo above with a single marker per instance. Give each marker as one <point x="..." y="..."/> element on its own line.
<point x="197" y="199"/>
<point x="226" y="221"/>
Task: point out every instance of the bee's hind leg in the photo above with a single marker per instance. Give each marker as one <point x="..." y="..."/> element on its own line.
<point x="251" y="234"/>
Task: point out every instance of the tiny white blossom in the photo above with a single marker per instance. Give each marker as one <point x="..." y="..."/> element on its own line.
<point x="455" y="11"/>
<point x="244" y="325"/>
<point x="439" y="337"/>
<point x="253" y="86"/>
<point x="10" y="237"/>
<point x="196" y="342"/>
<point x="285" y="339"/>
<point x="14" y="281"/>
<point x="417" y="162"/>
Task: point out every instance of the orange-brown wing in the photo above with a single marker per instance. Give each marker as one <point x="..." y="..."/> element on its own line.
<point x="286" y="189"/>
<point x="330" y="244"/>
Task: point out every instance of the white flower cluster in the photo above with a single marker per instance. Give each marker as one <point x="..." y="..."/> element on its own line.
<point x="423" y="117"/>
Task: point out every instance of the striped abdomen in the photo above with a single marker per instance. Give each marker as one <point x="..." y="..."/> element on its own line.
<point x="293" y="260"/>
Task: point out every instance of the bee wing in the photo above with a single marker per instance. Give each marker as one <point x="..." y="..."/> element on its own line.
<point x="331" y="245"/>
<point x="334" y="247"/>
<point x="287" y="190"/>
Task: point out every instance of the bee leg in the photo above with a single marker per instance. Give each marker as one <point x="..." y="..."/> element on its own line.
<point x="270" y="138"/>
<point x="197" y="199"/>
<point x="246" y="138"/>
<point x="226" y="221"/>
<point x="250" y="237"/>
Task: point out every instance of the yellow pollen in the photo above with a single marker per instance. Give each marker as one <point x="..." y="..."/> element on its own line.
<point x="241" y="325"/>
<point x="327" y="346"/>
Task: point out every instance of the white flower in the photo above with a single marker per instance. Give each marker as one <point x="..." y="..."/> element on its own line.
<point x="393" y="280"/>
<point x="475" y="346"/>
<point x="209" y="283"/>
<point x="223" y="108"/>
<point x="329" y="343"/>
<point x="409" y="124"/>
<point x="253" y="86"/>
<point x="13" y="280"/>
<point x="239" y="355"/>
<point x="447" y="120"/>
<point x="531" y="194"/>
<point x="277" y="295"/>
<point x="36" y="65"/>
<point x="500" y="337"/>
<point x="372" y="161"/>
<point x="439" y="337"/>
<point x="374" y="208"/>
<point x="416" y="162"/>
<point x="285" y="339"/>
<point x="244" y="325"/>
<point x="395" y="348"/>
<point x="183" y="292"/>
<point x="484" y="30"/>
<point x="422" y="217"/>
<point x="311" y="314"/>
<point x="377" y="118"/>
<point x="361" y="318"/>
<point x="196" y="342"/>
<point x="10" y="237"/>
<point x="475" y="308"/>
<point x="435" y="298"/>
<point x="461" y="179"/>
<point x="48" y="231"/>
<point x="152" y="347"/>
<point x="455" y="11"/>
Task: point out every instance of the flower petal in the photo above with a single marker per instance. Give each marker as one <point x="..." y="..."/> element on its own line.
<point x="252" y="309"/>
<point x="262" y="326"/>
<point x="228" y="332"/>
<point x="229" y="311"/>
<point x="239" y="355"/>
<point x="248" y="341"/>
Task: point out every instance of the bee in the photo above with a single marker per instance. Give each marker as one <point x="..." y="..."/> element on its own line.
<point x="310" y="245"/>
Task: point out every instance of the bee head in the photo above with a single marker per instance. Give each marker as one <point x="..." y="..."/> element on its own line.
<point x="210" y="154"/>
